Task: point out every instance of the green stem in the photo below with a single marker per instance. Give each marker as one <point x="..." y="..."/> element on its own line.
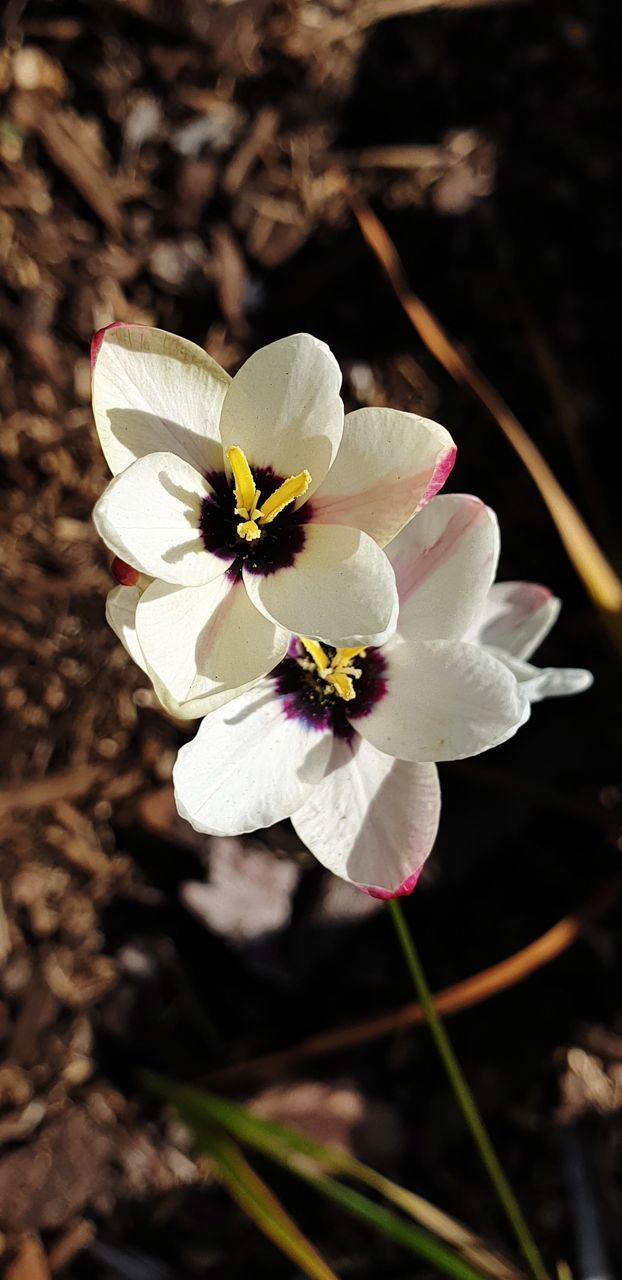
<point x="465" y="1099"/>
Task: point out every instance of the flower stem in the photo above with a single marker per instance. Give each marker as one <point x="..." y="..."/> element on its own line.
<point x="465" y="1099"/>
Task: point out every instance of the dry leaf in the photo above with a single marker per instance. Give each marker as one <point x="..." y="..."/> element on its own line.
<point x="336" y="1114"/>
<point x="249" y="893"/>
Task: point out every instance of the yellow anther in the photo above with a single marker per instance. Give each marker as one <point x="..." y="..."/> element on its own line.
<point x="337" y="672"/>
<point x="344" y="655"/>
<point x="245" y="492"/>
<point x="315" y="651"/>
<point x="247" y="495"/>
<point x="248" y="530"/>
<point x="342" y="685"/>
<point x="287" y="492"/>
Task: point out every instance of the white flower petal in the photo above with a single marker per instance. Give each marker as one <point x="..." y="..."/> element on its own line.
<point x="545" y="682"/>
<point x="444" y="563"/>
<point x="121" y="605"/>
<point x="389" y="463"/>
<point x="196" y="708"/>
<point x="284" y="410"/>
<point x="445" y="700"/>
<point x="372" y="820"/>
<point x="153" y="392"/>
<point x="340" y="588"/>
<point x="208" y="640"/>
<point x="516" y="617"/>
<point x="249" y="766"/>
<point x="149" y="516"/>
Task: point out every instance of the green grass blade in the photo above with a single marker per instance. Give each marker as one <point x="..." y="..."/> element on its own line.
<point x="244" y="1185"/>
<point x="200" y="1111"/>
<point x="464" y="1097"/>
<point x="390" y="1224"/>
<point x="286" y="1145"/>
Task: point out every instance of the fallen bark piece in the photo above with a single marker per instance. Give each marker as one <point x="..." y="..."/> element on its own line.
<point x="61" y="139"/>
<point x="30" y="1262"/>
<point x="44" y="1186"/>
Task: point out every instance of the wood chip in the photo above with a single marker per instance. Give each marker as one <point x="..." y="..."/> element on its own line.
<point x="78" y="981"/>
<point x="260" y="134"/>
<point x="33" y="69"/>
<point x="57" y="132"/>
<point x="68" y="784"/>
<point x="77" y="1236"/>
<point x="30" y="1262"/>
<point x="229" y="268"/>
<point x="18" y="1127"/>
<point x="38" y="1012"/>
<point x="5" y="934"/>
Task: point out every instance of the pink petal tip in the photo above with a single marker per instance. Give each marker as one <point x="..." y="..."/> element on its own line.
<point x="404" y="889"/>
<point x="98" y="338"/>
<point x="441" y="472"/>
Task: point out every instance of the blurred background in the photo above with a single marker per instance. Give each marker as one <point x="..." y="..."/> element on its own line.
<point x="193" y="166"/>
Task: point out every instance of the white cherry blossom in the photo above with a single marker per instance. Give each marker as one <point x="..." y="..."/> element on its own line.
<point x="344" y="741"/>
<point x="247" y="508"/>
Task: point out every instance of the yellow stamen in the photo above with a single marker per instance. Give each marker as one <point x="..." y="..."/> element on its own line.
<point x="342" y="685"/>
<point x="249" y="530"/>
<point x="344" y="655"/>
<point x="245" y="492"/>
<point x="338" y="673"/>
<point x="315" y="650"/>
<point x="247" y="495"/>
<point x="287" y="492"/>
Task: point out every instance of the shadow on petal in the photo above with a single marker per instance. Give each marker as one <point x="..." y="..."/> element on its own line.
<point x="144" y="433"/>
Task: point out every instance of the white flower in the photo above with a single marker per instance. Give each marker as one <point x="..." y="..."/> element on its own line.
<point x="248" y="506"/>
<point x="344" y="742"/>
<point x="515" y="619"/>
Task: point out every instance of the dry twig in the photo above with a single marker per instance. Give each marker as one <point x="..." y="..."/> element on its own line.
<point x="599" y="577"/>
<point x="454" y="999"/>
<point x="371" y="12"/>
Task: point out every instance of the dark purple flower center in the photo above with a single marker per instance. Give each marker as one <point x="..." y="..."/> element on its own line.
<point x="280" y="542"/>
<point x="307" y="697"/>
